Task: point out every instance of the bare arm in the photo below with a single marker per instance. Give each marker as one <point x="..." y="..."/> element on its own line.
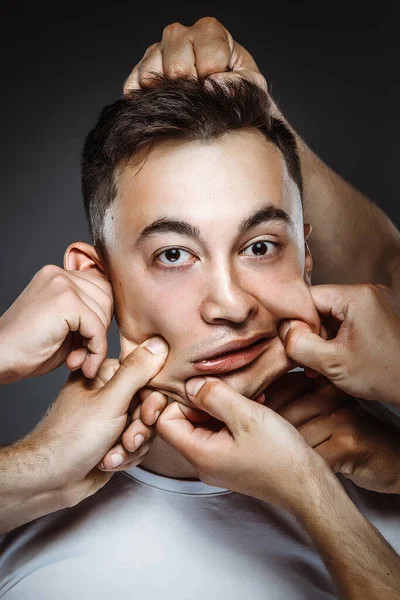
<point x="362" y="564"/>
<point x="353" y="240"/>
<point x="286" y="472"/>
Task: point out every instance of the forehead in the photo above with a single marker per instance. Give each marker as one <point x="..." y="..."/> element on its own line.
<point x="207" y="183"/>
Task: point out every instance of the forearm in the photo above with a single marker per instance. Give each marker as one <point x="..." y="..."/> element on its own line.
<point x="353" y="241"/>
<point x="347" y="224"/>
<point x="362" y="564"/>
<point x="25" y="490"/>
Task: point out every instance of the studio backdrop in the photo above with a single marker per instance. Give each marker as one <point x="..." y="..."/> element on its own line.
<point x="331" y="67"/>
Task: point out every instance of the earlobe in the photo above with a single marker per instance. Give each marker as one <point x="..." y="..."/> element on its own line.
<point x="80" y="256"/>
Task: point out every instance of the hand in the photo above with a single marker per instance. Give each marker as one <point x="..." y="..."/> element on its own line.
<point x="202" y="50"/>
<point x="61" y="316"/>
<point x="244" y="446"/>
<point x="362" y="447"/>
<point x="362" y="359"/>
<point x="137" y="438"/>
<point x="57" y="460"/>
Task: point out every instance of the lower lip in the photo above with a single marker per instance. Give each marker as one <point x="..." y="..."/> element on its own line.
<point x="232" y="360"/>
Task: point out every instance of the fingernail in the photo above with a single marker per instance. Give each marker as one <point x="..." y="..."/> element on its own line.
<point x="284" y="329"/>
<point x="157" y="414"/>
<point x="156" y="345"/>
<point x="194" y="385"/>
<point x="139" y="439"/>
<point x="116" y="460"/>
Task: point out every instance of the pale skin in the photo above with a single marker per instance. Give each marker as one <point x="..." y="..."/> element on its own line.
<point x="364" y="530"/>
<point x="55" y="466"/>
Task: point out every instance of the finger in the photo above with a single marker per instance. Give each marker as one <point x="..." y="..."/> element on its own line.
<point x="144" y="71"/>
<point x="118" y="457"/>
<point x="332" y="453"/>
<point x="95" y="307"/>
<point x="178" y="58"/>
<point x="76" y="358"/>
<point x="134" y="373"/>
<point x="136" y="435"/>
<point x="313" y="405"/>
<point x="152" y="406"/>
<point x="108" y="369"/>
<point x="332" y="300"/>
<point x="307" y="348"/>
<point x="192" y="442"/>
<point x="132" y="82"/>
<point x="287" y="388"/>
<point x="319" y="430"/>
<point x="78" y="352"/>
<point x="311" y="373"/>
<point x="241" y="59"/>
<point x="90" y="326"/>
<point x="150" y="67"/>
<point x="212" y="47"/>
<point x="220" y="401"/>
<point x="260" y="399"/>
<point x="102" y="297"/>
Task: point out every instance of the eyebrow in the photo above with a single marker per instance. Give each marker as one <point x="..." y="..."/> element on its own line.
<point x="168" y="225"/>
<point x="264" y="215"/>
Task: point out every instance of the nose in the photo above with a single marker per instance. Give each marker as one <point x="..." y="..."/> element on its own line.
<point x="226" y="299"/>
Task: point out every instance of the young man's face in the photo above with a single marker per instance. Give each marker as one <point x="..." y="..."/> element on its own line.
<point x="206" y="248"/>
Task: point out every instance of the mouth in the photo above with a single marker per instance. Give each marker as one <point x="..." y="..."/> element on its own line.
<point x="232" y="359"/>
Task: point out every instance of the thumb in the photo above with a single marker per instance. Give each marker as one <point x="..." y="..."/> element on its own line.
<point x="213" y="396"/>
<point x="135" y="372"/>
<point x="306" y="348"/>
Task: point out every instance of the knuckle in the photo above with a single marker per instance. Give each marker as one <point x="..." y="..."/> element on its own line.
<point x="176" y="69"/>
<point x="48" y="272"/>
<point x="343" y="415"/>
<point x="172" y="29"/>
<point x="212" y="64"/>
<point x="368" y="291"/>
<point x="210" y="391"/>
<point x="152" y="48"/>
<point x="346" y="441"/>
<point x="209" y="22"/>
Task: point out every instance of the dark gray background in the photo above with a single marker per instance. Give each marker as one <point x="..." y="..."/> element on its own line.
<point x="331" y="65"/>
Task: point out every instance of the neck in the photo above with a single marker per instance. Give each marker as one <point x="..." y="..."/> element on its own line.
<point x="164" y="460"/>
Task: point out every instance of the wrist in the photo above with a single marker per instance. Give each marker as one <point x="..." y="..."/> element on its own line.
<point x="8" y="370"/>
<point x="316" y="483"/>
<point x="26" y="468"/>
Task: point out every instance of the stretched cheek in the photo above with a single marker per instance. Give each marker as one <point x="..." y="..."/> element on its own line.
<point x="157" y="310"/>
<point x="293" y="301"/>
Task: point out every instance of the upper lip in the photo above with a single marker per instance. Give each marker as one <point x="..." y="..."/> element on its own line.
<point x="233" y="345"/>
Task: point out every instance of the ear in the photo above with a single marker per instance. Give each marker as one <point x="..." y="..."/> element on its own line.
<point x="308" y="263"/>
<point x="80" y="256"/>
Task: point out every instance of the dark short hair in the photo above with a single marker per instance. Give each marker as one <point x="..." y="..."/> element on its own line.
<point x="187" y="109"/>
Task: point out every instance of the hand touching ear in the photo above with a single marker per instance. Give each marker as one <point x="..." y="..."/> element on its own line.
<point x="61" y="316"/>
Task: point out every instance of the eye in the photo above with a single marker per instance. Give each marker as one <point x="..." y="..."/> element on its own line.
<point x="174" y="256"/>
<point x="261" y="248"/>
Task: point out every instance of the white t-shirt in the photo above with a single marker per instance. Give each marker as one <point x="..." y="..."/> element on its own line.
<point x="144" y="537"/>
